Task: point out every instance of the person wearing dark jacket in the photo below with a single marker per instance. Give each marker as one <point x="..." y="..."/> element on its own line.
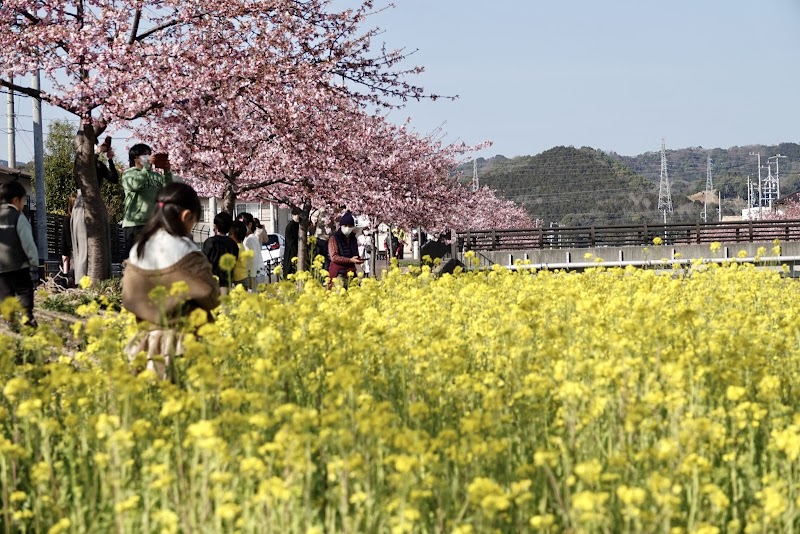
<point x="290" y="250"/>
<point x="17" y="249"/>
<point x="321" y="248"/>
<point x="343" y="249"/>
<point x="220" y="244"/>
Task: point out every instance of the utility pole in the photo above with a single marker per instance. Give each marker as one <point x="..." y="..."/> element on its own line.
<point x="12" y="142"/>
<point x="664" y="192"/>
<point x="38" y="162"/>
<point x="749" y="197"/>
<point x="760" y="197"/>
<point x="709" y="188"/>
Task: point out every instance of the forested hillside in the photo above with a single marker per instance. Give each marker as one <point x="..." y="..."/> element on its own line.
<point x="571" y="186"/>
<point x="585" y="186"/>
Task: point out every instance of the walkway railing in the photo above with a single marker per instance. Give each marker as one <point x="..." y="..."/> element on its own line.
<point x="620" y="236"/>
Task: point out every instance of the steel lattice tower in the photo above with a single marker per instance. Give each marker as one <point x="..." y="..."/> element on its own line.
<point x="709" y="187"/>
<point x="664" y="192"/>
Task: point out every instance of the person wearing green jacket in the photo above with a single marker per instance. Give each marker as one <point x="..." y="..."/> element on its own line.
<point x="141" y="184"/>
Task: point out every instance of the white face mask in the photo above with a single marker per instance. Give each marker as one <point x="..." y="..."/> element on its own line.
<point x="145" y="161"/>
<point x="347" y="230"/>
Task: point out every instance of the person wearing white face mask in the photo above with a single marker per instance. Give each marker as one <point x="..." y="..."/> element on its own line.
<point x="141" y="184"/>
<point x="343" y="249"/>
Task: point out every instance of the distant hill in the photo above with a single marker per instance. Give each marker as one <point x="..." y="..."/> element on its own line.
<point x="585" y="186"/>
<point x="570" y="186"/>
<point x="731" y="167"/>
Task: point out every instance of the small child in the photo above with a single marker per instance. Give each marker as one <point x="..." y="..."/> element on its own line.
<point x="220" y="244"/>
<point x="240" y="270"/>
<point x="164" y="254"/>
<point x="17" y="249"/>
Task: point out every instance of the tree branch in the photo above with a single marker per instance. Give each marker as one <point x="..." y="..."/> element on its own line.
<point x="164" y="26"/>
<point x="135" y="27"/>
<point x="258" y="185"/>
<point x="20" y="89"/>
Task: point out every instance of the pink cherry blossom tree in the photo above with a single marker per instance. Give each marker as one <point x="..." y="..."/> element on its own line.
<point x="484" y="210"/>
<point x="109" y="62"/>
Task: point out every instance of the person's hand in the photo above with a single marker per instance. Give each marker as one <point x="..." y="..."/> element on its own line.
<point x="110" y="153"/>
<point x="357" y="260"/>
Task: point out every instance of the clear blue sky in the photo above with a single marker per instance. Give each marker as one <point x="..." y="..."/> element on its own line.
<point x="616" y="75"/>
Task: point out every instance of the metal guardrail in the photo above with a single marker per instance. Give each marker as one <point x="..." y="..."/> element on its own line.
<point x="632" y="235"/>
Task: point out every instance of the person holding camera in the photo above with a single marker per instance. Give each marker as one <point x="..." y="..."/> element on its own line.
<point x="141" y="185"/>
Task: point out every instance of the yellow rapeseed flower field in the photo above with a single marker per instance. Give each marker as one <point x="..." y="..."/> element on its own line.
<point x="493" y="401"/>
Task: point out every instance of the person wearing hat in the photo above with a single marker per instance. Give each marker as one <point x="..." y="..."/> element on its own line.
<point x="343" y="249"/>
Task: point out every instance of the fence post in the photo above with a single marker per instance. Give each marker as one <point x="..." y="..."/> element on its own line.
<point x="698" y="234"/>
<point x="750" y="228"/>
<point x="644" y="238"/>
<point x="592" y="236"/>
<point x="541" y="237"/>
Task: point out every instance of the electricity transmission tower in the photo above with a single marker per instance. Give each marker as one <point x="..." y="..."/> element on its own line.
<point x="475" y="182"/>
<point x="664" y="193"/>
<point x="709" y="188"/>
<point x="775" y="182"/>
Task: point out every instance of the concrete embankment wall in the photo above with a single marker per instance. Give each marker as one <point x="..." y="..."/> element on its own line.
<point x="637" y="253"/>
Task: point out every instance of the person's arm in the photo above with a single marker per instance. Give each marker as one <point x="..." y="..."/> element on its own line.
<point x="113" y="173"/>
<point x="333" y="252"/>
<point x="25" y="234"/>
<point x="166" y="178"/>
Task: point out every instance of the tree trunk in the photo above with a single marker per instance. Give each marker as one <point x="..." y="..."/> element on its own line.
<point x="302" y="239"/>
<point x="98" y="232"/>
<point x="229" y="200"/>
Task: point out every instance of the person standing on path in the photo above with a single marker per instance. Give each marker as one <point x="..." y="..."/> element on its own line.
<point x="18" y="251"/>
<point x="141" y="185"/>
<point x="220" y="244"/>
<point x="343" y="249"/>
<point x="255" y="267"/>
<point x="78" y="235"/>
<point x="290" y="250"/>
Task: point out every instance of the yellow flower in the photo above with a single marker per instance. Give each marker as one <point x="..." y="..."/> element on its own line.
<point x="716" y="246"/>
<point x="61" y="526"/>
<point x="227" y="262"/>
<point x="734" y="393"/>
<point x="657" y="241"/>
<point x="85" y="282"/>
<point x="198" y="317"/>
<point x="179" y="289"/>
<point x="9" y="307"/>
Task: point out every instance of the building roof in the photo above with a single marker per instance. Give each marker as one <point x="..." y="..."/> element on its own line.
<point x="792" y="198"/>
<point x="14" y="174"/>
